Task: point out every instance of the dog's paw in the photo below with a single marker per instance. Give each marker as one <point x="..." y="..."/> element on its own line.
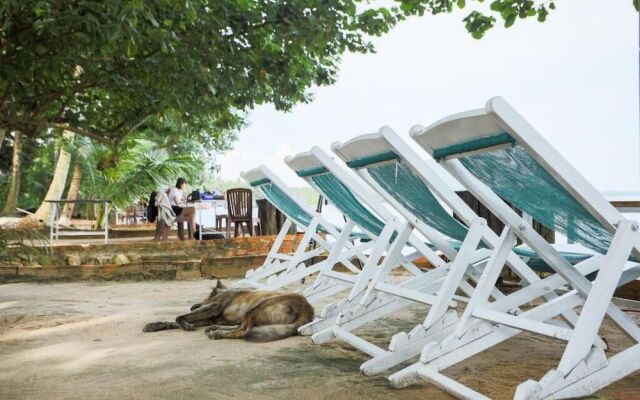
<point x="148" y="327"/>
<point x="154" y="327"/>
<point x="210" y="329"/>
<point x="214" y="335"/>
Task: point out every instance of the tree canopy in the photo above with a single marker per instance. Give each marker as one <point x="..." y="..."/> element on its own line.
<point x="103" y="69"/>
<point x="480" y="19"/>
<point x="173" y="78"/>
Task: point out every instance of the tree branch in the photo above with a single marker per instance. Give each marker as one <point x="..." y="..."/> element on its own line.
<point x="98" y="136"/>
<point x="133" y="127"/>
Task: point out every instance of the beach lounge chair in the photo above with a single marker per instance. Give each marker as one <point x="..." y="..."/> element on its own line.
<point x="398" y="174"/>
<point x="395" y="240"/>
<point x="281" y="268"/>
<point x="496" y="154"/>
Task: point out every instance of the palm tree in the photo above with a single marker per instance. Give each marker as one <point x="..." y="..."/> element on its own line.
<point x="143" y="168"/>
<point x="83" y="162"/>
<point x="11" y="202"/>
<point x="74" y="190"/>
<point x="58" y="183"/>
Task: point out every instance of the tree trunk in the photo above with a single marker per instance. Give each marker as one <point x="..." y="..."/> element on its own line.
<point x="14" y="182"/>
<point x="2" y="135"/>
<point x="74" y="188"/>
<point x="56" y="188"/>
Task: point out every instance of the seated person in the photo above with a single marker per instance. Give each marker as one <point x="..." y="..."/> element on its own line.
<point x="179" y="207"/>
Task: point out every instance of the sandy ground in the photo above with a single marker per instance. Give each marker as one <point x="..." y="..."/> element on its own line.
<point x="84" y="341"/>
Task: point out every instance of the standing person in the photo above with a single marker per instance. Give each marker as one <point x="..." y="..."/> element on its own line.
<point x="179" y="207"/>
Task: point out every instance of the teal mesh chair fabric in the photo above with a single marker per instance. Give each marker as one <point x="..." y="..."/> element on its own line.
<point x="286" y="204"/>
<point x="291" y="209"/>
<point x="538" y="264"/>
<point x="533" y="260"/>
<point x="519" y="179"/>
<point x="347" y="203"/>
<point x="399" y="181"/>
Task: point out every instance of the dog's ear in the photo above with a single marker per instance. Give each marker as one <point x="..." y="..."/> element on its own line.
<point x="219" y="285"/>
<point x="214" y="290"/>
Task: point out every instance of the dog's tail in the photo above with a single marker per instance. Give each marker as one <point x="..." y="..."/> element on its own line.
<point x="160" y="326"/>
<point x="269" y="333"/>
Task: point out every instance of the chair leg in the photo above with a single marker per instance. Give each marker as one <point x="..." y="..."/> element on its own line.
<point x="158" y="234"/>
<point x="165" y="231"/>
<point x="162" y="231"/>
<point x="180" y="231"/>
<point x="249" y="228"/>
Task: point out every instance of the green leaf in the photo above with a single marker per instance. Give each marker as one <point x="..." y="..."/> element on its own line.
<point x="510" y="20"/>
<point x="542" y="14"/>
<point x="461" y="3"/>
<point x="153" y="20"/>
<point x="497" y="5"/>
<point x="477" y="24"/>
<point x="41" y="8"/>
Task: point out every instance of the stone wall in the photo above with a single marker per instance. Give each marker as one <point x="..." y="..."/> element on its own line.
<point x="225" y="258"/>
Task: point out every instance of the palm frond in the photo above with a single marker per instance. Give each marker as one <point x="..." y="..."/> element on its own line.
<point x="26" y="242"/>
<point x="152" y="171"/>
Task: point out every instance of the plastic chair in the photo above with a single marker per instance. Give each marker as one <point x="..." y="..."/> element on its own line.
<point x="240" y="210"/>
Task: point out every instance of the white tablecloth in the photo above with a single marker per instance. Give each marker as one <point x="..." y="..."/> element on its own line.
<point x="207" y="210"/>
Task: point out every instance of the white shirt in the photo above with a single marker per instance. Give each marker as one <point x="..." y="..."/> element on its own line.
<point x="175" y="197"/>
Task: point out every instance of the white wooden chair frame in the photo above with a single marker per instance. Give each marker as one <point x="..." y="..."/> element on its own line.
<point x="439" y="322"/>
<point x="372" y="297"/>
<point x="282" y="268"/>
<point x="584" y="367"/>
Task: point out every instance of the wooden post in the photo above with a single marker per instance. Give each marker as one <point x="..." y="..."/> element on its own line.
<point x="271" y="218"/>
<point x="497" y="226"/>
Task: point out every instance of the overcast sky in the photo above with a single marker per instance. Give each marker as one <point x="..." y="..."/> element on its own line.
<point x="575" y="78"/>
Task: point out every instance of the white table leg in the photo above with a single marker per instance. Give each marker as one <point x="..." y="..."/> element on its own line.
<point x="106" y="222"/>
<point x="52" y="219"/>
<point x="56" y="221"/>
<point x="200" y="223"/>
